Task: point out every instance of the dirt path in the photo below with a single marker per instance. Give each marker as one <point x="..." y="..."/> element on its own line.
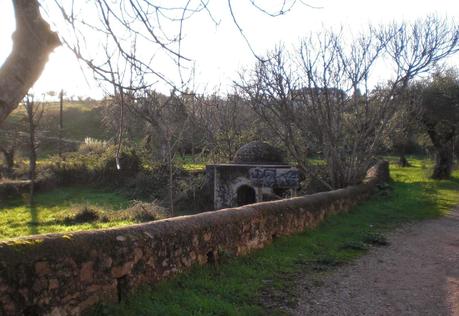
<point x="418" y="274"/>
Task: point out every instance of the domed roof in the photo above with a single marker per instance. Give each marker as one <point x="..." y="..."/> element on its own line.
<point x="260" y="153"/>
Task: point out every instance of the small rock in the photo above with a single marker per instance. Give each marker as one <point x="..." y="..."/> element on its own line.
<point x="42" y="268"/>
<point x="120" y="238"/>
<point x="53" y="284"/>
<point x="86" y="272"/>
<point x="120" y="271"/>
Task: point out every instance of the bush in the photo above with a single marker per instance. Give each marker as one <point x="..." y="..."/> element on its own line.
<point x="83" y="215"/>
<point x="141" y="212"/>
<point x="106" y="171"/>
<point x="92" y="167"/>
<point x="93" y="146"/>
<point x="151" y="185"/>
<point x="311" y="184"/>
<point x="195" y="194"/>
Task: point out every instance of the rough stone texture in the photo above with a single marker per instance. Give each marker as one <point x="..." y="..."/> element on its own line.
<point x="257" y="152"/>
<point x="65" y="274"/>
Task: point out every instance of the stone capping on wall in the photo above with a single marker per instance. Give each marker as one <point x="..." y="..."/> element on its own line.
<point x="65" y="274"/>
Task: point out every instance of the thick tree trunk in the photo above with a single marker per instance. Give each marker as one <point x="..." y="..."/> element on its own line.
<point x="444" y="161"/>
<point x="9" y="160"/>
<point x="33" y="41"/>
<point x="442" y="137"/>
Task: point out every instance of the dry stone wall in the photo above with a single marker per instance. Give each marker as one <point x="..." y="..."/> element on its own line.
<point x="65" y="274"/>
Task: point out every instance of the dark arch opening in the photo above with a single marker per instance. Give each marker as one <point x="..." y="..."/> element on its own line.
<point x="245" y="195"/>
<point x="282" y="193"/>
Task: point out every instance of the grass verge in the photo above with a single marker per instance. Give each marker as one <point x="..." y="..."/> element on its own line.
<point x="263" y="282"/>
<point x="52" y="208"/>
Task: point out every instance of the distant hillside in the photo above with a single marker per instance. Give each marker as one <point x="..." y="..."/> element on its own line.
<point x="81" y="119"/>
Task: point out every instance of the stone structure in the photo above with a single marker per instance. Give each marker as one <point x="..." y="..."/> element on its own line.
<point x="66" y="274"/>
<point x="258" y="173"/>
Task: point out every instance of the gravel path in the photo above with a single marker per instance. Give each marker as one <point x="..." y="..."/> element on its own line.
<point x="418" y="274"/>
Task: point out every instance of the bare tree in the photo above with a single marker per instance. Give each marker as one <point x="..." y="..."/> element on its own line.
<point x="322" y="99"/>
<point x="228" y="123"/>
<point x="274" y="93"/>
<point x="34" y="114"/>
<point x="166" y="122"/>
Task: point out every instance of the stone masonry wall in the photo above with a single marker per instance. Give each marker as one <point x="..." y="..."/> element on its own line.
<point x="65" y="274"/>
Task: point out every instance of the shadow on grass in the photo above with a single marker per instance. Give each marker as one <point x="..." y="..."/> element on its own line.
<point x="33" y="224"/>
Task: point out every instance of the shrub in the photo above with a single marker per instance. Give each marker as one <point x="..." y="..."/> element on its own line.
<point x="83" y="215"/>
<point x="151" y="185"/>
<point x="92" y="145"/>
<point x="93" y="167"/>
<point x="141" y="212"/>
<point x="106" y="169"/>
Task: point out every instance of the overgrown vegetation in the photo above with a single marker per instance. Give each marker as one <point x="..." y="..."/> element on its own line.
<point x="261" y="283"/>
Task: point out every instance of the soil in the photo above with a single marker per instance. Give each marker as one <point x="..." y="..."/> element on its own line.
<point x="417" y="274"/>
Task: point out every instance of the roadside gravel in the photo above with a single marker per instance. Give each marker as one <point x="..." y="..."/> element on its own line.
<point x="417" y="274"/>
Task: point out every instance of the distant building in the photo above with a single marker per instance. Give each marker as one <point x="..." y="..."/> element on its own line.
<point x="258" y="173"/>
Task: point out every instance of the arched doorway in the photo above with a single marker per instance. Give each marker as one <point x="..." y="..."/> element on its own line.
<point x="246" y="195"/>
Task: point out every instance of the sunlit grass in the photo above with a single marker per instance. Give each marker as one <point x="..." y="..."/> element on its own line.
<point x="191" y="167"/>
<point x="51" y="208"/>
<point x="238" y="286"/>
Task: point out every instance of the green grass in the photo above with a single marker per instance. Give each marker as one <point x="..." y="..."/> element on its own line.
<point x="189" y="164"/>
<point x="194" y="167"/>
<point x="51" y="208"/>
<point x="238" y="286"/>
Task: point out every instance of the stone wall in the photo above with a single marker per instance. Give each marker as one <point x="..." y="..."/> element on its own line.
<point x="65" y="274"/>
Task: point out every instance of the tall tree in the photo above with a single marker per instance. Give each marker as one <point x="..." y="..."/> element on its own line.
<point x="440" y="117"/>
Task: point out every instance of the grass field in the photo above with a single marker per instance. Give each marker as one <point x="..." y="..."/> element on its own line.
<point x="242" y="286"/>
<point x="52" y="208"/>
<point x="75" y="116"/>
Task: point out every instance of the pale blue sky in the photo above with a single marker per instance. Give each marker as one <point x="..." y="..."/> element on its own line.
<point x="220" y="52"/>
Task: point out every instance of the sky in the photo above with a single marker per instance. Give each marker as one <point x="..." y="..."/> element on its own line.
<point x="219" y="52"/>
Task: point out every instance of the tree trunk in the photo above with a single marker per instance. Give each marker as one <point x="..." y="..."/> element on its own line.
<point x="171" y="178"/>
<point x="444" y="161"/>
<point x="403" y="162"/>
<point x="442" y="137"/>
<point x="9" y="160"/>
<point x="32" y="155"/>
<point x="33" y="41"/>
<point x="32" y="168"/>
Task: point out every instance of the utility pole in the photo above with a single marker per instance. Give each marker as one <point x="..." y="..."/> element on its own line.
<point x="61" y="123"/>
